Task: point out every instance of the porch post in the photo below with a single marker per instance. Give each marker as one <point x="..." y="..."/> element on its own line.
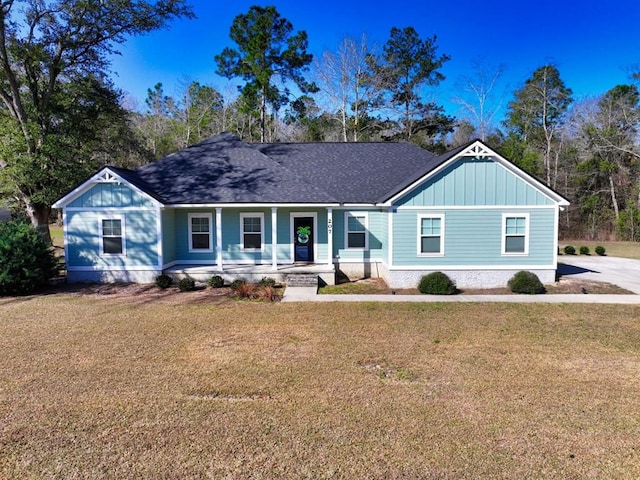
<point x="274" y="238"/>
<point x="219" y="238"/>
<point x="329" y="236"/>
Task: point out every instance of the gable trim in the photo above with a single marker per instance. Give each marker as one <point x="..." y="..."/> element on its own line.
<point x="106" y="175"/>
<point x="479" y="150"/>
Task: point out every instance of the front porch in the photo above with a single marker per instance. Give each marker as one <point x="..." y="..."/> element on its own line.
<point x="284" y="273"/>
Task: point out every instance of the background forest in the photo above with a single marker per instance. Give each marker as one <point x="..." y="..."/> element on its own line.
<point x="61" y="116"/>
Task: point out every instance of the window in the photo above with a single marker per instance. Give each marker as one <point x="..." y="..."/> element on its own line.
<point x="430" y="235"/>
<point x="251" y="233"/>
<point x="112" y="233"/>
<point x="200" y="232"/>
<point x="515" y="234"/>
<point x="356" y="230"/>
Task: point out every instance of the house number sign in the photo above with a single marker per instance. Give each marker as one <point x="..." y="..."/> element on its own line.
<point x="330" y="226"/>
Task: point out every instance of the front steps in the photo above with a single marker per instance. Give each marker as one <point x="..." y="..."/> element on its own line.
<point x="302" y="280"/>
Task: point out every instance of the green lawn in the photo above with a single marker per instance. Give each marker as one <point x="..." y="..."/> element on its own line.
<point x="613" y="249"/>
<point x="187" y="386"/>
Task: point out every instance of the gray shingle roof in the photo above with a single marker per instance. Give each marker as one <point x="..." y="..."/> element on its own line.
<point x="224" y="169"/>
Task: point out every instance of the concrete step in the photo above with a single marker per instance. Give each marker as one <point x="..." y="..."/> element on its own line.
<point x="302" y="280"/>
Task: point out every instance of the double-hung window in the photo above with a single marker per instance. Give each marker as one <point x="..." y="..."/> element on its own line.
<point x="200" y="232"/>
<point x="430" y="235"/>
<point x="112" y="236"/>
<point x="356" y="230"/>
<point x="515" y="234"/>
<point x="252" y="231"/>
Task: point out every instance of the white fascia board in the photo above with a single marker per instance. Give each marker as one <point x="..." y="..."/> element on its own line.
<point x="99" y="177"/>
<point x="479" y="149"/>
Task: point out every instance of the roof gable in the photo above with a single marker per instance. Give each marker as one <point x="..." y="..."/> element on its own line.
<point x="479" y="151"/>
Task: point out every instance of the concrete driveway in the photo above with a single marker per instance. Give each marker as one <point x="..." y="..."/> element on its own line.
<point x="624" y="272"/>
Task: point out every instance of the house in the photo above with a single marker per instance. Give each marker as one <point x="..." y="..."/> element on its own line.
<point x="243" y="210"/>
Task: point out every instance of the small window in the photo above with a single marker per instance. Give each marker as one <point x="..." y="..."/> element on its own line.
<point x="356" y="230"/>
<point x="515" y="238"/>
<point x="430" y="235"/>
<point x="112" y="236"/>
<point x="200" y="232"/>
<point x="251" y="225"/>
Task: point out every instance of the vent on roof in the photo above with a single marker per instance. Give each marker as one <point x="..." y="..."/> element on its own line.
<point x="477" y="150"/>
<point x="107" y="177"/>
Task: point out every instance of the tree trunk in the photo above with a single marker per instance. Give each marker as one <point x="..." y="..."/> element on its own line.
<point x="39" y="216"/>
<point x="614" y="200"/>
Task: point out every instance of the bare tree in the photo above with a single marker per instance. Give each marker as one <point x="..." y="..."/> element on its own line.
<point x="347" y="85"/>
<point x="477" y="95"/>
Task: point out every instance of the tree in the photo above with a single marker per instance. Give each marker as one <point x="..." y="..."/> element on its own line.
<point x="266" y="48"/>
<point x="55" y="54"/>
<point x="478" y="96"/>
<point x="349" y="86"/>
<point x="406" y="65"/>
<point x="536" y="114"/>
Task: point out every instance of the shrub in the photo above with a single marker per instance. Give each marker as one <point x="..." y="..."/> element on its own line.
<point x="569" y="250"/>
<point x="186" y="284"/>
<point x="236" y="283"/>
<point x="584" y="250"/>
<point x="163" y="281"/>
<point x="525" y="282"/>
<point x="27" y="261"/>
<point x="267" y="282"/>
<point x="600" y="250"/>
<point x="216" y="281"/>
<point x="437" y="283"/>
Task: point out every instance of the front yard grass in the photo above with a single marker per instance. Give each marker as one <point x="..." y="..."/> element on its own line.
<point x="613" y="249"/>
<point x="108" y="386"/>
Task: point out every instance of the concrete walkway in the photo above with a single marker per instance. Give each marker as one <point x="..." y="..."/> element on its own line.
<point x="623" y="272"/>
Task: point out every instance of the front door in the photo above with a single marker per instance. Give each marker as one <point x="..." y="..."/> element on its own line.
<point x="303" y="239"/>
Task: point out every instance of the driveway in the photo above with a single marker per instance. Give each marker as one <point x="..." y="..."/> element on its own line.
<point x="624" y="272"/>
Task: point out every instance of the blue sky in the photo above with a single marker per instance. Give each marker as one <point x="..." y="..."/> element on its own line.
<point x="593" y="43"/>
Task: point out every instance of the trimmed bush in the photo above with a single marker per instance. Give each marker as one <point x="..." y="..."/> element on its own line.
<point x="569" y="250"/>
<point x="437" y="283"/>
<point x="600" y="250"/>
<point x="525" y="282"/>
<point x="186" y="284"/>
<point x="27" y="261"/>
<point x="267" y="282"/>
<point x="236" y="283"/>
<point x="584" y="250"/>
<point x="163" y="281"/>
<point x="216" y="281"/>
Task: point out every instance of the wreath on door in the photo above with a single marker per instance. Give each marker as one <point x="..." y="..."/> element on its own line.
<point x="303" y="234"/>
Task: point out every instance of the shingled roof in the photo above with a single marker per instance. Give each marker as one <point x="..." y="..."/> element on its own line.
<point x="224" y="169"/>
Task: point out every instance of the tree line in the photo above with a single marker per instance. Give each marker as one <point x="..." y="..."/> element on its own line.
<point x="61" y="117"/>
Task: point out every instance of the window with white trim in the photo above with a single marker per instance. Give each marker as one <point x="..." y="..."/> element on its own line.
<point x="200" y="232"/>
<point x="112" y="236"/>
<point x="515" y="234"/>
<point x="252" y="231"/>
<point x="356" y="230"/>
<point x="430" y="235"/>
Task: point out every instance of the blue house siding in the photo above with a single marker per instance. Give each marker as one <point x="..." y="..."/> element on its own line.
<point x="169" y="234"/>
<point x="140" y="239"/>
<point x="376" y="231"/>
<point x="111" y="195"/>
<point x="470" y="181"/>
<point x="473" y="237"/>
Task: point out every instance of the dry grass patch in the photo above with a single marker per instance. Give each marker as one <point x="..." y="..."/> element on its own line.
<point x="97" y="387"/>
<point x="613" y="249"/>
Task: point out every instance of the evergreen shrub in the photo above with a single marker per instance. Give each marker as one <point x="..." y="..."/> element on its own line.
<point x="570" y="250"/>
<point x="584" y="250"/>
<point x="526" y="282"/>
<point x="27" y="261"/>
<point x="216" y="281"/>
<point x="600" y="250"/>
<point x="186" y="285"/>
<point x="163" y="281"/>
<point x="437" y="283"/>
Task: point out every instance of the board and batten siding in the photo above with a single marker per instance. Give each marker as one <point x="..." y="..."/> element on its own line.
<point x="140" y="237"/>
<point x="474" y="237"/>
<point x="111" y="195"/>
<point x="475" y="182"/>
